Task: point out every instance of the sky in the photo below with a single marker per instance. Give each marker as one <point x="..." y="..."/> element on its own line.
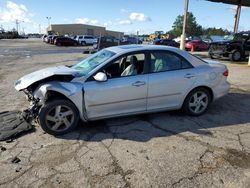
<point x="127" y="16"/>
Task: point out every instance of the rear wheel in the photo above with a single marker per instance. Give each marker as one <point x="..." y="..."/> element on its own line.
<point x="83" y="43"/>
<point x="235" y="55"/>
<point x="211" y="56"/>
<point x="58" y="117"/>
<point x="197" y="102"/>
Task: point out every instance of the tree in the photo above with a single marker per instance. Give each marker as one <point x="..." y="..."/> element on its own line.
<point x="193" y="28"/>
<point x="214" y="31"/>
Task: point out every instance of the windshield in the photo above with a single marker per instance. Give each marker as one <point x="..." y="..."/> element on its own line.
<point x="90" y="63"/>
<point x="234" y="37"/>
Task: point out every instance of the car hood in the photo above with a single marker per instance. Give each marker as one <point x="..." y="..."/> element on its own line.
<point x="36" y="76"/>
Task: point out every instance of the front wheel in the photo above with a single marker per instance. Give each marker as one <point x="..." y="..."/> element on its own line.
<point x="83" y="43"/>
<point x="58" y="117"/>
<point x="197" y="102"/>
<point x="235" y="55"/>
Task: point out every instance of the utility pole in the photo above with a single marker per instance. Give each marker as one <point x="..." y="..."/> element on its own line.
<point x="237" y="18"/>
<point x="137" y="36"/>
<point x="48" y="18"/>
<point x="39" y="28"/>
<point x="183" y="36"/>
<point x="17" y="25"/>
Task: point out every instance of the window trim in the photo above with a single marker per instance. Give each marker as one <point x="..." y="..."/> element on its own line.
<point x="146" y="62"/>
<point x="170" y="52"/>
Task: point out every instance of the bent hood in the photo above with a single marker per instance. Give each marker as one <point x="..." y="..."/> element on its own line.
<point x="36" y="76"/>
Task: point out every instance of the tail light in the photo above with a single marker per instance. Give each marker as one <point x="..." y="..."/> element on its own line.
<point x="226" y="73"/>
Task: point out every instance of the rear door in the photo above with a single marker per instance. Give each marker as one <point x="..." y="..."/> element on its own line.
<point x="170" y="77"/>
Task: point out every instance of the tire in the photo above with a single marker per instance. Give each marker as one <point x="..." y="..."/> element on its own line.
<point x="58" y="117"/>
<point x="211" y="56"/>
<point x="59" y="44"/>
<point x="200" y="105"/>
<point x="83" y="43"/>
<point x="235" y="55"/>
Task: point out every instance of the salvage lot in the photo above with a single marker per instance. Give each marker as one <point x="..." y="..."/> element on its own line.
<point x="157" y="150"/>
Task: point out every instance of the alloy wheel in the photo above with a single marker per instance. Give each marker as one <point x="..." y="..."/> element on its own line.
<point x="198" y="102"/>
<point x="59" y="118"/>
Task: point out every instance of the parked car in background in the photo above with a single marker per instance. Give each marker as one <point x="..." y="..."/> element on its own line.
<point x="65" y="41"/>
<point x="86" y="39"/>
<point x="44" y="37"/>
<point x="197" y="45"/>
<point x="120" y="81"/>
<point x="236" y="47"/>
<point x="52" y="41"/>
<point x="166" y="42"/>
<point x="106" y="42"/>
<point x="49" y="38"/>
<point x="131" y="40"/>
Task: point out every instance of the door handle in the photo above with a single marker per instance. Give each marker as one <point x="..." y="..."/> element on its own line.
<point x="189" y="75"/>
<point x="138" y="83"/>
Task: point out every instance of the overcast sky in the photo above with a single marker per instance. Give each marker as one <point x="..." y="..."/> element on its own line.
<point x="126" y="16"/>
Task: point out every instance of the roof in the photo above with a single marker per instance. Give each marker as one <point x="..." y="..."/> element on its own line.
<point x="233" y="2"/>
<point x="139" y="47"/>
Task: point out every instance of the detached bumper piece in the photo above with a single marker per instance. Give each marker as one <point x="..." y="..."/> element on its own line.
<point x="13" y="124"/>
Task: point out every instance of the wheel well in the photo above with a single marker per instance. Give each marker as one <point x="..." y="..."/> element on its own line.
<point x="50" y="95"/>
<point x="208" y="89"/>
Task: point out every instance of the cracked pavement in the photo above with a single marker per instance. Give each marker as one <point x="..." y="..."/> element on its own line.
<point x="156" y="150"/>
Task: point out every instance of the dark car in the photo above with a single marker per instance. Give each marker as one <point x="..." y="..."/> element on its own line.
<point x="131" y="40"/>
<point x="65" y="41"/>
<point x="52" y="40"/>
<point x="197" y="45"/>
<point x="166" y="42"/>
<point x="106" y="42"/>
<point x="236" y="47"/>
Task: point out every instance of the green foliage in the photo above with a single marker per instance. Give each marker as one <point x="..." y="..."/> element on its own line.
<point x="214" y="31"/>
<point x="193" y="28"/>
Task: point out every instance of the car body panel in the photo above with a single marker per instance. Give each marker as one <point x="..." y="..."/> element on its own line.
<point x="31" y="78"/>
<point x="72" y="90"/>
<point x="164" y="93"/>
<point x="115" y="96"/>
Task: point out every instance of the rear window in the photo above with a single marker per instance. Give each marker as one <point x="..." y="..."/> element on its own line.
<point x="88" y="37"/>
<point x="197" y="57"/>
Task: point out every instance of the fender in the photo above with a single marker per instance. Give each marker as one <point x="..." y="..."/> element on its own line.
<point x="73" y="91"/>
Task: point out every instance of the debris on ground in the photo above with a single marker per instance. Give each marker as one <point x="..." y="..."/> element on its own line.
<point x="12" y="124"/>
<point x="16" y="160"/>
<point x="3" y="148"/>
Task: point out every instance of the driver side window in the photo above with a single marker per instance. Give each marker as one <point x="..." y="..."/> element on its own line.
<point x="128" y="65"/>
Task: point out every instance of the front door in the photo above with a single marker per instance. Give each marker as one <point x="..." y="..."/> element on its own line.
<point x="124" y="92"/>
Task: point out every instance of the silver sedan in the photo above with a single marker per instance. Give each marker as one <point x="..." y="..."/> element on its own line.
<point x="121" y="81"/>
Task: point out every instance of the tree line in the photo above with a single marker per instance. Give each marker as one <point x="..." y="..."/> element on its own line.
<point x="193" y="28"/>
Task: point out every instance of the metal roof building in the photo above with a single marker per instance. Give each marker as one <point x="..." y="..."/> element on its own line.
<point x="82" y="29"/>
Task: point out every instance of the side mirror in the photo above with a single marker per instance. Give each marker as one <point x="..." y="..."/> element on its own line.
<point x="100" y="77"/>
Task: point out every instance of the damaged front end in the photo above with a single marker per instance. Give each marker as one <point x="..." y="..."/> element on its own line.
<point x="30" y="83"/>
<point x="30" y="114"/>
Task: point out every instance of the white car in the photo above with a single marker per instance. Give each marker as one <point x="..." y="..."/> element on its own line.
<point x="121" y="81"/>
<point x="86" y="40"/>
